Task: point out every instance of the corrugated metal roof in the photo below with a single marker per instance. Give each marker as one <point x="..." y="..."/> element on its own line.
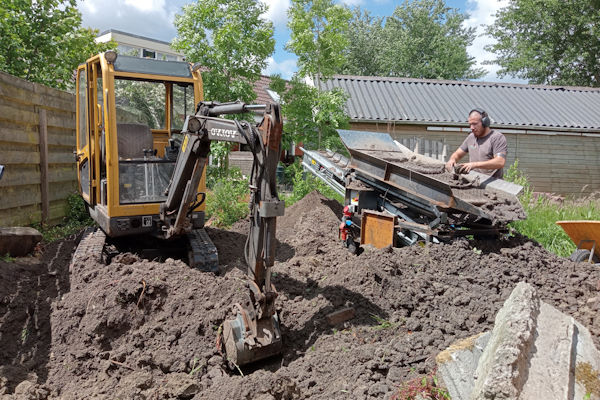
<point x="449" y="102"/>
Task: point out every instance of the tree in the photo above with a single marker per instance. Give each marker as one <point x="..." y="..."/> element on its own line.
<point x="548" y="41"/>
<point x="309" y="111"/>
<point x="426" y="39"/>
<point x="231" y="40"/>
<point x="365" y="45"/>
<point x="318" y="36"/>
<point x="43" y="41"/>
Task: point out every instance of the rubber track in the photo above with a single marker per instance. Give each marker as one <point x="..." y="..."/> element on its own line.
<point x="203" y="252"/>
<point x="90" y="247"/>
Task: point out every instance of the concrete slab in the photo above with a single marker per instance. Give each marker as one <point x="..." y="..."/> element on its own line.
<point x="502" y="368"/>
<point x="457" y="365"/>
<point x="550" y="359"/>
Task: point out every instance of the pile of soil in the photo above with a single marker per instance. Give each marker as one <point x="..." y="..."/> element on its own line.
<point x="139" y="329"/>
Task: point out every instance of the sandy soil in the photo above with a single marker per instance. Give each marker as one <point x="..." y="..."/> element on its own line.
<point x="138" y="329"/>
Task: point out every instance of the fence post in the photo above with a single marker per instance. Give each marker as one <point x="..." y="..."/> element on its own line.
<point x="44" y="165"/>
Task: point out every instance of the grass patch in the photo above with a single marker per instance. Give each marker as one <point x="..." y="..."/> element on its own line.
<point x="542" y="214"/>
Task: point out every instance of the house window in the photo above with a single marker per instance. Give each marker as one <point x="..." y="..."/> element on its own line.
<point x="128" y="50"/>
<point x="148" y="53"/>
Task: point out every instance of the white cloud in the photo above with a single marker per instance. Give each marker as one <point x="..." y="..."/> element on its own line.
<point x="483" y="12"/>
<point x="353" y="3"/>
<point x="277" y="12"/>
<point x="147" y="6"/>
<point x="285" y="68"/>
<point x="150" y="18"/>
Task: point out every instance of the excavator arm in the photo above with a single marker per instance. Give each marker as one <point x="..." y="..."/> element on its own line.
<point x="254" y="334"/>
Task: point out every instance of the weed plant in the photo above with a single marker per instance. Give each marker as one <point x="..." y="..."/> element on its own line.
<point x="425" y="387"/>
<point x="543" y="212"/>
<point x="76" y="219"/>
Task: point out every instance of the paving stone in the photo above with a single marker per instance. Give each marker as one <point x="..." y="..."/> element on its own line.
<point x="18" y="241"/>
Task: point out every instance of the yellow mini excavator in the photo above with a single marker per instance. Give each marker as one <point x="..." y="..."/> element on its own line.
<point x="143" y="141"/>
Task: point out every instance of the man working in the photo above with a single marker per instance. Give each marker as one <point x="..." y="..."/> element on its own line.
<point x="486" y="147"/>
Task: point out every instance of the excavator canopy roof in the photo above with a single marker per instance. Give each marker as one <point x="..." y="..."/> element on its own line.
<point x="150" y="66"/>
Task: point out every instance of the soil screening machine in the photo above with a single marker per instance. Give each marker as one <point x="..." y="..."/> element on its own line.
<point x="143" y="142"/>
<point x="395" y="197"/>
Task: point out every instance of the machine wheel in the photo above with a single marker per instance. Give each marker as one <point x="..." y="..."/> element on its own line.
<point x="582" y="255"/>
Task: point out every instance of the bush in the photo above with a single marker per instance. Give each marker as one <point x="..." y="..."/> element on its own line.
<point x="228" y="200"/>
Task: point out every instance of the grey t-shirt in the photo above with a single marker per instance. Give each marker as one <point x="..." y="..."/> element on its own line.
<point x="486" y="148"/>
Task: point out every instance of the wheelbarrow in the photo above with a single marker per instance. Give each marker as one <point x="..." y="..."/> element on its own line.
<point x="586" y="235"/>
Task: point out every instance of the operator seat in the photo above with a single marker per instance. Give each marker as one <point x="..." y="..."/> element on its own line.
<point x="133" y="139"/>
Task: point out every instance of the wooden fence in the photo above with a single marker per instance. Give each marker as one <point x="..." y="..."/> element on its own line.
<point x="37" y="140"/>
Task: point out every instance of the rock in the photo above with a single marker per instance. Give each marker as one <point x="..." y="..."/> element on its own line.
<point x="340" y="316"/>
<point x="502" y="369"/>
<point x="18" y="241"/>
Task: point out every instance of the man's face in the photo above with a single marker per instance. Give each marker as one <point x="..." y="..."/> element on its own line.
<point x="475" y="124"/>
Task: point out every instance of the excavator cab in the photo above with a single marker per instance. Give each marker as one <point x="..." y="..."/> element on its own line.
<point x="130" y="113"/>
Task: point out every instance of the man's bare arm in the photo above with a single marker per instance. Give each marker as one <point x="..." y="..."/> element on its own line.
<point x="495" y="163"/>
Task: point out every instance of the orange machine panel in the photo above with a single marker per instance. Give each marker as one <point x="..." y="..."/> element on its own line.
<point x="377" y="229"/>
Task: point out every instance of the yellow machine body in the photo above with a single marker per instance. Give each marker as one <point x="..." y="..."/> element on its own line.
<point x="130" y="112"/>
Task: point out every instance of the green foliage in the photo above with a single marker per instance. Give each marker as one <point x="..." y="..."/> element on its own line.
<point x="231" y="40"/>
<point x="311" y="115"/>
<point x="365" y="45"/>
<point x="7" y="258"/>
<point x="427" y="39"/>
<point x="77" y="218"/>
<point x="548" y="41"/>
<point x="228" y="201"/>
<point x="382" y="323"/>
<point x="318" y="36"/>
<point x="43" y="41"/>
<point x="517" y="176"/>
<point x="304" y="183"/>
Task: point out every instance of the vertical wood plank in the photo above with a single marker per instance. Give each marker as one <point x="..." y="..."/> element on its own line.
<point x="44" y="165"/>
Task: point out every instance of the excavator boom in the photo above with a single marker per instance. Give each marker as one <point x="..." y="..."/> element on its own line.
<point x="254" y="334"/>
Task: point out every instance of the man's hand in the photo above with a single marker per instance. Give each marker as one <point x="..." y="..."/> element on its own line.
<point x="450" y="165"/>
<point x="467" y="167"/>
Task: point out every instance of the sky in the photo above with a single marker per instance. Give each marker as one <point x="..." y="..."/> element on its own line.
<point x="154" y="19"/>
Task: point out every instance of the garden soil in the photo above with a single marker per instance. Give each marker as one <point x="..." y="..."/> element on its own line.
<point x="139" y="329"/>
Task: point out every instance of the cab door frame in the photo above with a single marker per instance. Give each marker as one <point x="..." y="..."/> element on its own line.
<point x="84" y="170"/>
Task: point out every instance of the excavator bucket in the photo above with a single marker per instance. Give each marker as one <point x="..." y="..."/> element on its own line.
<point x="243" y="347"/>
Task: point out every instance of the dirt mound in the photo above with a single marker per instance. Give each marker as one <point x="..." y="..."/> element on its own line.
<point x="145" y="330"/>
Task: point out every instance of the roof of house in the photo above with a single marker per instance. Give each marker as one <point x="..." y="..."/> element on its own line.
<point x="439" y="102"/>
<point x="261" y="88"/>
